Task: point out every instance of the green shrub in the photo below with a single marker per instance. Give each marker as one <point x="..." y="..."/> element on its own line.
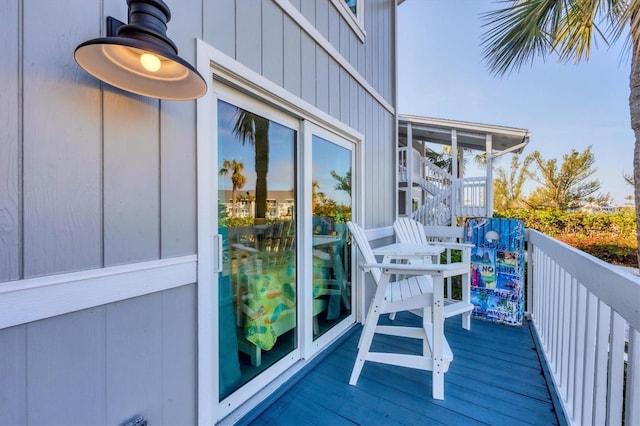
<point x="607" y="236"/>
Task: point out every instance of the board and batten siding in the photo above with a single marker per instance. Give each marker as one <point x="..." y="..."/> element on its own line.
<point x="92" y="177"/>
<point x="103" y="365"/>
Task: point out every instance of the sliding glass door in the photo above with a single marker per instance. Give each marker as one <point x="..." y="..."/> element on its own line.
<point x="281" y="194"/>
<point x="257" y="221"/>
<point x="331" y="209"/>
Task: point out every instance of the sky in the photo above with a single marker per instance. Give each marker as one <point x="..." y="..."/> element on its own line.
<point x="565" y="106"/>
<point x="281" y="153"/>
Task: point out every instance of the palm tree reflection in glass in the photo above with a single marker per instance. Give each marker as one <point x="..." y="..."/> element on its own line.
<point x="254" y="129"/>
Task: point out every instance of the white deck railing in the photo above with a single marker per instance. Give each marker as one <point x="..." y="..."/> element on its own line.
<point x="586" y="314"/>
<point x="472" y="197"/>
<point x="436" y="211"/>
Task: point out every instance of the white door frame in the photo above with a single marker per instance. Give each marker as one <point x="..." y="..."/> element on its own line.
<point x="312" y="347"/>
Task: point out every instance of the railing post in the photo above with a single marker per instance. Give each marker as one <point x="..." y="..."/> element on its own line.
<point x="489" y="188"/>
<point x="408" y="201"/>
<point x="454" y="177"/>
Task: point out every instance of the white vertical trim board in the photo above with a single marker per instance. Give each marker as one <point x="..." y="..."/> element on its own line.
<point x="34" y="299"/>
<point x="206" y="158"/>
<point x="305" y="233"/>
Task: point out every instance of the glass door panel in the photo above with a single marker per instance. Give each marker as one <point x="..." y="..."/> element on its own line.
<point x="256" y="218"/>
<point x="331" y="206"/>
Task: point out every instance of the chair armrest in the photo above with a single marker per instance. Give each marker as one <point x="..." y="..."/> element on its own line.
<point x="446" y="270"/>
<point x="454" y="246"/>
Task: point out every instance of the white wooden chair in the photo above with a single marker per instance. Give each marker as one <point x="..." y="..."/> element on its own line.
<point x="422" y="289"/>
<point x="411" y="231"/>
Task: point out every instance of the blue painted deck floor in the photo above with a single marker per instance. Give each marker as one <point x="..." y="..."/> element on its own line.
<point x="495" y="378"/>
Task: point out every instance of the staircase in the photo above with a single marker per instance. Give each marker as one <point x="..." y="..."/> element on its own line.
<point x="442" y="197"/>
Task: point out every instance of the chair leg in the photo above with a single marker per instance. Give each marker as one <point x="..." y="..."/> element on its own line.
<point x="438" y="383"/>
<point x="466" y="297"/>
<point x="366" y="320"/>
<point x="365" y="344"/>
<point x="466" y="320"/>
<point x="437" y="348"/>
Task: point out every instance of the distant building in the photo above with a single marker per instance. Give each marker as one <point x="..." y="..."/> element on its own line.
<point x="606" y="208"/>
<point x="280" y="204"/>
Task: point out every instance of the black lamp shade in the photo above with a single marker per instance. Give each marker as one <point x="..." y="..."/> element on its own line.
<point x="141" y="58"/>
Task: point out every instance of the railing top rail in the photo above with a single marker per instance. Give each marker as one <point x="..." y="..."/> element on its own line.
<point x="474" y="179"/>
<point x="435" y="169"/>
<point x="618" y="289"/>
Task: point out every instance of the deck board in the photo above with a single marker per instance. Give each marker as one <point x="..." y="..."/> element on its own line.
<point x="495" y="378"/>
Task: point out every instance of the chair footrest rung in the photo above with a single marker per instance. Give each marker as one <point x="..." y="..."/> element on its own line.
<point x="406" y="360"/>
<point x="396" y="330"/>
<point x="456" y="307"/>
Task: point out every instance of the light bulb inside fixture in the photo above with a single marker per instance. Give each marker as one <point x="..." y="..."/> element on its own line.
<point x="150" y="62"/>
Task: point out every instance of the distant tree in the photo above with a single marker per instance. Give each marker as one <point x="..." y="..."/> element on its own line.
<point x="238" y="180"/>
<point x="508" y="186"/>
<point x="628" y="178"/>
<point x="438" y="159"/>
<point x="344" y="182"/>
<point x="462" y="159"/>
<point x="566" y="187"/>
<point x="317" y="196"/>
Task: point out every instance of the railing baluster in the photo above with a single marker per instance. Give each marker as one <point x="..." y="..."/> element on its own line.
<point x="556" y="318"/>
<point x="544" y="318"/>
<point x="632" y="406"/>
<point x="573" y="343"/>
<point x="601" y="362"/>
<point x="616" y="370"/>
<point x="588" y="375"/>
<point x="573" y="312"/>
<point x="579" y="354"/>
<point x="566" y="329"/>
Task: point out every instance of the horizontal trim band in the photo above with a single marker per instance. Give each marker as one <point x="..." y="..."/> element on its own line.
<point x="34" y="299"/>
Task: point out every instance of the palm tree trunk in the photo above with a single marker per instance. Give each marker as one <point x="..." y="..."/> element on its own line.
<point x="234" y="191"/>
<point x="262" y="168"/>
<point x="634" y="108"/>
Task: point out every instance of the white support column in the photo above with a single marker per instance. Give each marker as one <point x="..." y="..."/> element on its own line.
<point x="489" y="184"/>
<point x="455" y="187"/>
<point x="409" y="196"/>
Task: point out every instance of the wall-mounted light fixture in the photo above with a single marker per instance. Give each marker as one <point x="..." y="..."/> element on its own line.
<point x="139" y="57"/>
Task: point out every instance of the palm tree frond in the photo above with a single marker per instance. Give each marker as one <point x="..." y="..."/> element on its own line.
<point x="570" y="28"/>
<point x="245" y="126"/>
<point x="519" y="33"/>
<point x="579" y="30"/>
<point x="626" y="17"/>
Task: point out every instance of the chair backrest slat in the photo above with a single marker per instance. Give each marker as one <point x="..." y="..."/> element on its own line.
<point x="410" y="231"/>
<point x="365" y="248"/>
